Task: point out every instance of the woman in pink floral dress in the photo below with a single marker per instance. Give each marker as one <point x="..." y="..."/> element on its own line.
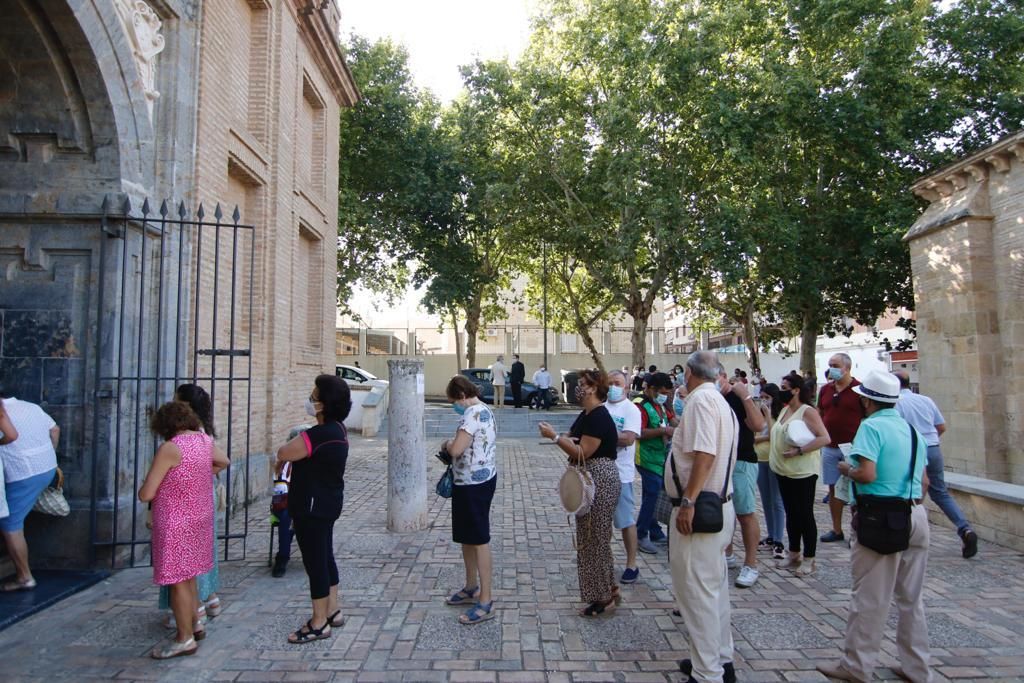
<point x="180" y="486"/>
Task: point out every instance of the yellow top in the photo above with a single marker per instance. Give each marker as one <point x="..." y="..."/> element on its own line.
<point x="763" y="448"/>
<point x="798" y="467"/>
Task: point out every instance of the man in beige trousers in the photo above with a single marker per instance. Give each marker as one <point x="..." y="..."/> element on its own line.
<point x="701" y="459"/>
<point x="883" y="463"/>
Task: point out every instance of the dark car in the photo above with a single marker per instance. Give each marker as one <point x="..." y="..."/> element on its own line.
<point x="481" y="377"/>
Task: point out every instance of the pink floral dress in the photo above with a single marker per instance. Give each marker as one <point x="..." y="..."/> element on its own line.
<point x="183" y="514"/>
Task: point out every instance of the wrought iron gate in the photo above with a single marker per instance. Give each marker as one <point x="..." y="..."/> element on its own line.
<point x="174" y="305"/>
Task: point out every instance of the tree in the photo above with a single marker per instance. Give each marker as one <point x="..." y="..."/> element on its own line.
<point x="389" y="187"/>
<point x="611" y="166"/>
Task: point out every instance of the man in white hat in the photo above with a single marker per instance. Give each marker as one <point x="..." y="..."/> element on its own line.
<point x="880" y="465"/>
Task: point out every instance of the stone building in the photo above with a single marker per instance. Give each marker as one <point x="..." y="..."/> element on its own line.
<point x="967" y="256"/>
<point x="106" y="301"/>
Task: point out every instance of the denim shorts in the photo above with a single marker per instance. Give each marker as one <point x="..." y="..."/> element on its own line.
<point x="744" y="487"/>
<point x="625" y="511"/>
<point x="830" y="459"/>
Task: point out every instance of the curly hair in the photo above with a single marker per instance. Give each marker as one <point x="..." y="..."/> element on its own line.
<point x="173" y="418"/>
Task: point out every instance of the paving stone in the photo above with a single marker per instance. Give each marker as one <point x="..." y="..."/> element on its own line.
<point x="444" y="632"/>
<point x="398" y="629"/>
<point x="618" y="632"/>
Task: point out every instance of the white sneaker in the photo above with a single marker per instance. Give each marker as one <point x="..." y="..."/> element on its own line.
<point x="732" y="562"/>
<point x="747" y="578"/>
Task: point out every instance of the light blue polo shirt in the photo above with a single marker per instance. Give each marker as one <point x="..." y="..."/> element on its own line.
<point x="884" y="438"/>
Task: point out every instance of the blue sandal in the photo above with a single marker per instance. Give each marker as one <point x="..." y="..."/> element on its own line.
<point x="477" y="613"/>
<point x="464" y="596"/>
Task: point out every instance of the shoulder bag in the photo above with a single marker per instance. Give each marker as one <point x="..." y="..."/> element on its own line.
<point x="52" y="501"/>
<point x="576" y="490"/>
<point x="882" y="523"/>
<point x="446" y="483"/>
<point x="707" y="509"/>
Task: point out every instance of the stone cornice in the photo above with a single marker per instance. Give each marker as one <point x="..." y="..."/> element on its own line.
<point x="995" y="158"/>
<point x="319" y="22"/>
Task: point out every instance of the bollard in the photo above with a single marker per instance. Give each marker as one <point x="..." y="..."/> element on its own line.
<point x="407" y="461"/>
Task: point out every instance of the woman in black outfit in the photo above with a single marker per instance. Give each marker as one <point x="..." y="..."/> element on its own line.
<point x="318" y="457"/>
<point x="592" y="442"/>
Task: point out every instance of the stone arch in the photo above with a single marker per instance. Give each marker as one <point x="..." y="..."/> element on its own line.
<point x="74" y="118"/>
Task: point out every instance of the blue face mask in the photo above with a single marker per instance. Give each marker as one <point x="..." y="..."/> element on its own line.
<point x="615" y="393"/>
<point x="460" y="409"/>
<point x="661" y="398"/>
<point x="678" y="405"/>
<point x="834" y="373"/>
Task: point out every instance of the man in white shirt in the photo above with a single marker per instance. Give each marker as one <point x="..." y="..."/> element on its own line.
<point x="498" y="381"/>
<point x="626" y="416"/>
<point x="703" y="451"/>
<point x="924" y="416"/>
<point x="542" y="378"/>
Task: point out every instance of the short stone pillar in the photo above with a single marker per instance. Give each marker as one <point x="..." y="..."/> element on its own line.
<point x="407" y="456"/>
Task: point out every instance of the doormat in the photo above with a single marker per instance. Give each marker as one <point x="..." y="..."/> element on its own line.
<point x="52" y="587"/>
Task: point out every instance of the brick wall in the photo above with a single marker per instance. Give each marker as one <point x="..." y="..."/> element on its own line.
<point x="266" y="142"/>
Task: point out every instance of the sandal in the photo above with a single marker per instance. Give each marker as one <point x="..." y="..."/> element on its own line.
<point x="170" y="622"/>
<point x="199" y="631"/>
<point x="477" y="613"/>
<point x="173" y="648"/>
<point x="465" y="596"/>
<point x="13" y="586"/>
<point x="212" y="608"/>
<point x="595" y="609"/>
<point x="308" y="634"/>
<point x="336" y="620"/>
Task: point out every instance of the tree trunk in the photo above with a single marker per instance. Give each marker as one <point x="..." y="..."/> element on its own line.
<point x="750" y="338"/>
<point x="584" y="332"/>
<point x="472" y="330"/>
<point x="458" y="341"/>
<point x="638" y="336"/>
<point x="808" y="345"/>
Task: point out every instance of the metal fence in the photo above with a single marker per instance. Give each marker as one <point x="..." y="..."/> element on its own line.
<point x="174" y="304"/>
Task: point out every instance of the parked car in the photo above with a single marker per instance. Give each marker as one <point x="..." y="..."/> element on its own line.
<point x="354" y="375"/>
<point x="481" y="377"/>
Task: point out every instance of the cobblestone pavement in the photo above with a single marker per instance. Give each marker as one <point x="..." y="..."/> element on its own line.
<point x="399" y="629"/>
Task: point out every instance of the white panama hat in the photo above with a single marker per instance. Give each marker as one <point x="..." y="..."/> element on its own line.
<point x="883" y="387"/>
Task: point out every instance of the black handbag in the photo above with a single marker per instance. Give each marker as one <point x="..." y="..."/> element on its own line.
<point x="882" y="523"/>
<point x="707" y="509"/>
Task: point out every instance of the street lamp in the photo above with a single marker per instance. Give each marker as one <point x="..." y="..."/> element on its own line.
<point x="544" y="289"/>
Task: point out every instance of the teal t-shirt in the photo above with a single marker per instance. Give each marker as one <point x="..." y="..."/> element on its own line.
<point x="884" y="438"/>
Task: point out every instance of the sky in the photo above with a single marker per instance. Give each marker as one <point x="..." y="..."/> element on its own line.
<point x="440" y="36"/>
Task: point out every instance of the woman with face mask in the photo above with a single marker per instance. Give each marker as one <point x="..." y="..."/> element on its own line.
<point x="315" y="496"/>
<point x="474" y="469"/>
<point x="796" y="468"/>
<point x="592" y="442"/>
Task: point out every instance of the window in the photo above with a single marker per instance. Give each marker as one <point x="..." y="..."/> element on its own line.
<point x="309" y="291"/>
<point x="311" y="152"/>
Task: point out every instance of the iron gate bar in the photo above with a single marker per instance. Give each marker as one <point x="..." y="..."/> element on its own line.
<point x="98" y="360"/>
<point x="121" y="376"/>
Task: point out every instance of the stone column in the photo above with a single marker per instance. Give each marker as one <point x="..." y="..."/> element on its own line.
<point x="407" y="463"/>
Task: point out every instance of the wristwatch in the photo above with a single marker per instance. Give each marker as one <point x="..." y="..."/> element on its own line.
<point x="685" y="502"/>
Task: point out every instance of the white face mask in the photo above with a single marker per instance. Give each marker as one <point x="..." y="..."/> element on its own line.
<point x="310" y="408"/>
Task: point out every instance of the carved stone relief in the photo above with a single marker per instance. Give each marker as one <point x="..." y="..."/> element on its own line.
<point x="143" y="27"/>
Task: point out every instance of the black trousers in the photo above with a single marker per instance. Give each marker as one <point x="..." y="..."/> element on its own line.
<point x="517" y="394"/>
<point x="316" y="541"/>
<point x="798" y="499"/>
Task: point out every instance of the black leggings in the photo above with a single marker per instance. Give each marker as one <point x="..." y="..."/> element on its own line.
<point x="316" y="541"/>
<point x="798" y="499"/>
